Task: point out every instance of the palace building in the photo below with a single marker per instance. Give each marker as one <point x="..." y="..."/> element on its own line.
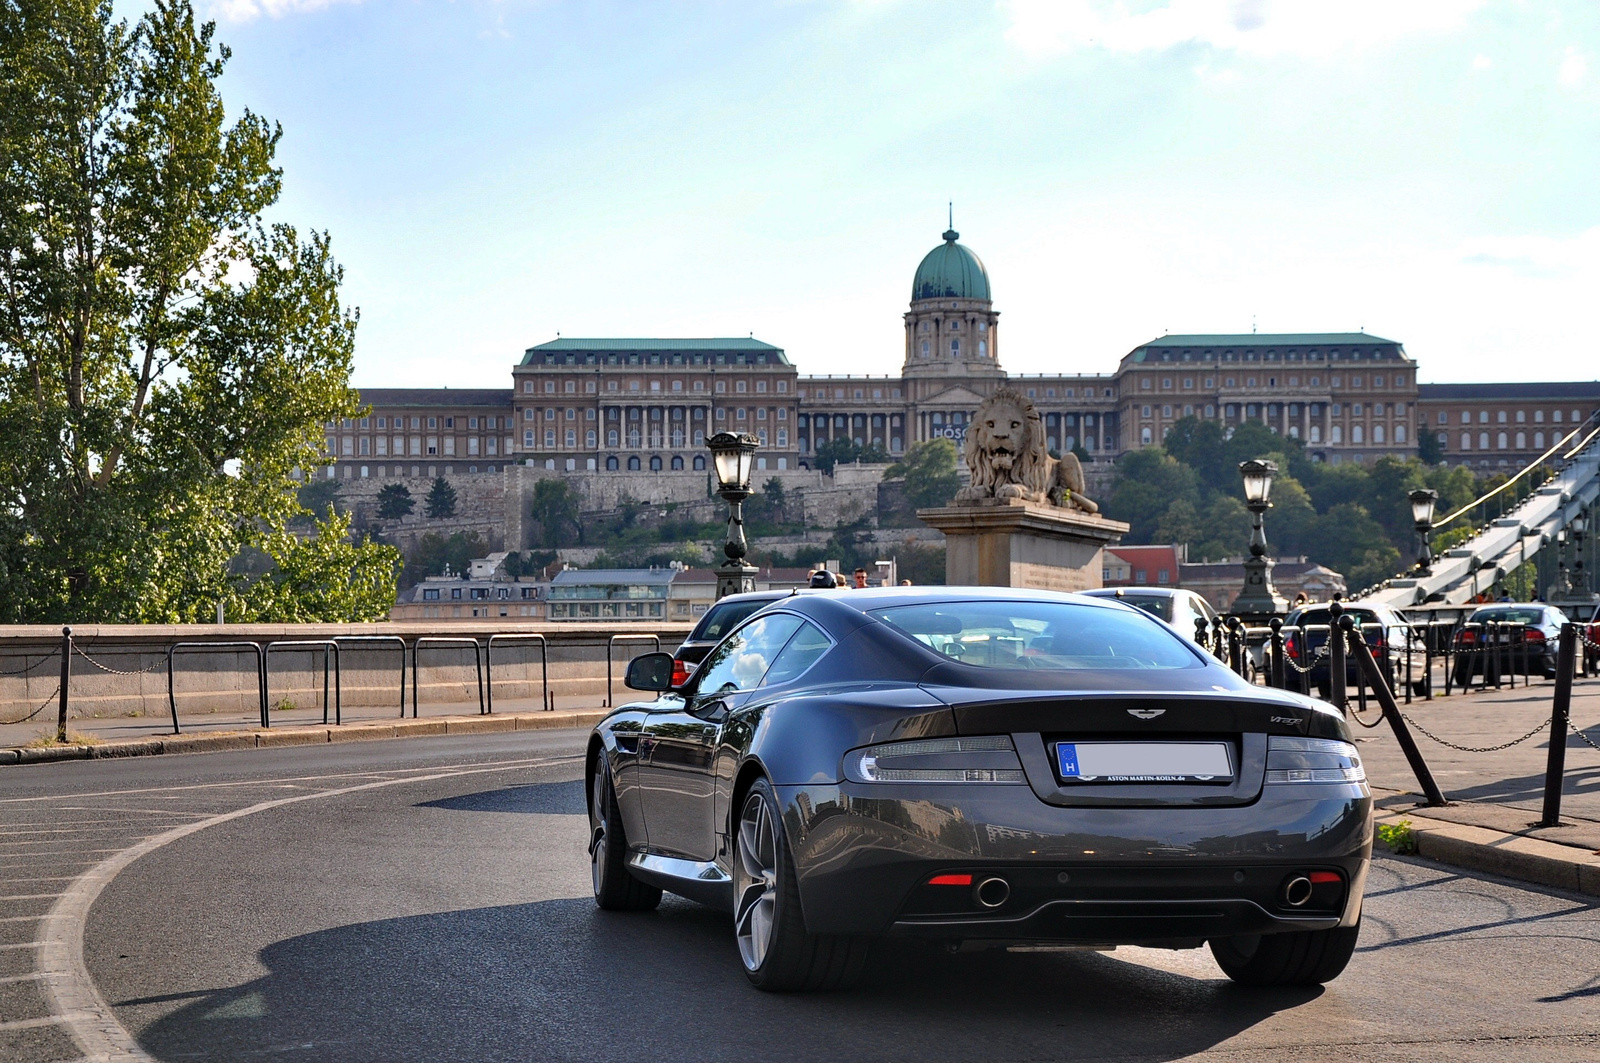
<point x="647" y="405"/>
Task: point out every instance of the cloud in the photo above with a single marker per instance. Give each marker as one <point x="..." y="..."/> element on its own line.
<point x="249" y="10"/>
<point x="1257" y="27"/>
<point x="1574" y="68"/>
<point x="1482" y="62"/>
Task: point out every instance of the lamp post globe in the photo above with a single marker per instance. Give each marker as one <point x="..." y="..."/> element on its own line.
<point x="1257" y="474"/>
<point x="1259" y="601"/>
<point x="1423" y="501"/>
<point x="731" y="456"/>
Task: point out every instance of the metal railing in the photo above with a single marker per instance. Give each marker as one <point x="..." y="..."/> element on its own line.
<point x="624" y="638"/>
<point x="261" y="673"/>
<point x="394" y="640"/>
<point x="441" y="640"/>
<point x="330" y="649"/>
<point x="545" y="701"/>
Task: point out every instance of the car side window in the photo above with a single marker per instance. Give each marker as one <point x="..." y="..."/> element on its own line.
<point x="739" y="661"/>
<point x="803" y="650"/>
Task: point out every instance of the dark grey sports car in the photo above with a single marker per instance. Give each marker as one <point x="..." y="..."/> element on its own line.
<point x="984" y="768"/>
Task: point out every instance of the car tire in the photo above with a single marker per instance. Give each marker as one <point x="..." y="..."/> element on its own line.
<point x="1300" y="957"/>
<point x="615" y="888"/>
<point x="777" y="952"/>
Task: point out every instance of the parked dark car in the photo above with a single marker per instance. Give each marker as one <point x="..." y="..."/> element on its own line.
<point x="1509" y="638"/>
<point x="723" y="616"/>
<point x="982" y="768"/>
<point x="1384" y="630"/>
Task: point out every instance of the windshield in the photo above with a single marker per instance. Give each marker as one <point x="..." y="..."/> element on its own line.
<point x="723" y="618"/>
<point x="1042" y="635"/>
<point x="1506" y="615"/>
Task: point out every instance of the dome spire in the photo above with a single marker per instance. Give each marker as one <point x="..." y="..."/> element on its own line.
<point x="950" y="234"/>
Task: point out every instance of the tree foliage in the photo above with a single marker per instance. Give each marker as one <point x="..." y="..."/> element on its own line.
<point x="929" y="469"/>
<point x="1353" y="518"/>
<point x="395" y="501"/>
<point x="434" y="551"/>
<point x="842" y="450"/>
<point x="441" y="499"/>
<point x="167" y="358"/>
<point x="555" y="507"/>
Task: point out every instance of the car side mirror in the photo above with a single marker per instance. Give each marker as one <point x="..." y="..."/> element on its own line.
<point x="650" y="671"/>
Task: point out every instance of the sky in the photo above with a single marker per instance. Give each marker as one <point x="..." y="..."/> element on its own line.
<point x="494" y="172"/>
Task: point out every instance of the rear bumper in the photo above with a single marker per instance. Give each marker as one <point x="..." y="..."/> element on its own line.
<point x="865" y="853"/>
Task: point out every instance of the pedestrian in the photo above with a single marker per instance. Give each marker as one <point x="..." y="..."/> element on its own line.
<point x="861" y="578"/>
<point x="1301" y="599"/>
<point x="839" y="580"/>
<point x="905" y="583"/>
<point x="821" y="579"/>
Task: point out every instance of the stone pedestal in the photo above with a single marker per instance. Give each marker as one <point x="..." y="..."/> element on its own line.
<point x="1023" y="544"/>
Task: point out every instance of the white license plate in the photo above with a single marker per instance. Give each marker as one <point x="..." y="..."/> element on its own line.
<point x="1144" y="761"/>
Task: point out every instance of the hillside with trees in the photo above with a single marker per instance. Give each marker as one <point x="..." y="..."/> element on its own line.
<point x="1355" y="519"/>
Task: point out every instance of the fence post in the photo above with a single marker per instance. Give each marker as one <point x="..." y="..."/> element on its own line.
<point x="1201" y="626"/>
<point x="1236" y="648"/>
<point x="1336" y="647"/>
<point x="1560" y="706"/>
<point x="1391" y="712"/>
<point x="1279" y="680"/>
<point x="66" y="683"/>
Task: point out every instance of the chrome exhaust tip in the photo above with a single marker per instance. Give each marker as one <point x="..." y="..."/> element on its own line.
<point x="993" y="892"/>
<point x="1297" y="891"/>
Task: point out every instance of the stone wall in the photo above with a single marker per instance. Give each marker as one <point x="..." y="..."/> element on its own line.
<point x="121" y="670"/>
<point x="480" y="508"/>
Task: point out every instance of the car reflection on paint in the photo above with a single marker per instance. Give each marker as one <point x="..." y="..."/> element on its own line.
<point x="986" y="769"/>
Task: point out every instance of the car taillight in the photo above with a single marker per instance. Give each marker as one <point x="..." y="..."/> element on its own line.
<point x="1467" y="637"/>
<point x="1291" y="647"/>
<point x="1532" y="634"/>
<point x="680" y="672"/>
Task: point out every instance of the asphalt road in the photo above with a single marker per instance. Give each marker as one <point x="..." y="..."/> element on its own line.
<point x="428" y="900"/>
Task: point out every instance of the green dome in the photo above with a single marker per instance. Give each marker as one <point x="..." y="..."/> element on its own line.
<point x="951" y="271"/>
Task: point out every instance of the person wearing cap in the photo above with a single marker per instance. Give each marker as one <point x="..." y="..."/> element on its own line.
<point x="861" y="577"/>
<point x="822" y="578"/>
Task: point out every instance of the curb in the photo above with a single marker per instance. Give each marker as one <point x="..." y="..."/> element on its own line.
<point x="228" y="741"/>
<point x="1507" y="855"/>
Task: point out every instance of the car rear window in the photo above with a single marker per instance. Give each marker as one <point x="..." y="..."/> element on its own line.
<point x="1319" y="617"/>
<point x="1039" y="635"/>
<point x="1159" y="606"/>
<point x="1508" y="615"/>
<point x="723" y="618"/>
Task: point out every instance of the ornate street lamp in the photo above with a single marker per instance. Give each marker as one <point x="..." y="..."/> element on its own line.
<point x="731" y="456"/>
<point x="1563" y="579"/>
<point x="1259" y="598"/>
<point x="1422" y="502"/>
<point x="1580" y="524"/>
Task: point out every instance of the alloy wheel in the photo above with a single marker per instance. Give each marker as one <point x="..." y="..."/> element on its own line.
<point x="756" y="882"/>
<point x="597" y="831"/>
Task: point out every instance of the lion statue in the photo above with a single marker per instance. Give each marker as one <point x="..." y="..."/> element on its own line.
<point x="1005" y="452"/>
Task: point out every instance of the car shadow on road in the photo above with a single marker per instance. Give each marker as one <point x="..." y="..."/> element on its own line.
<point x="555" y="798"/>
<point x="561" y="980"/>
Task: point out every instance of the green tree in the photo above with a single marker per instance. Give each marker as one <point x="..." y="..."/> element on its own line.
<point x="837" y="451"/>
<point x="394" y="501"/>
<point x="1148" y="481"/>
<point x="434" y="551"/>
<point x="775" y="495"/>
<point x="319" y="496"/>
<point x="441" y="499"/>
<point x="555" y="507"/>
<point x="1429" y="450"/>
<point x="929" y="469"/>
<point x="167" y="358"/>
